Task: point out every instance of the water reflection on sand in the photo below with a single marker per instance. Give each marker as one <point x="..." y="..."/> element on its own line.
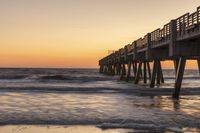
<point x="186" y="104"/>
<point x="106" y="110"/>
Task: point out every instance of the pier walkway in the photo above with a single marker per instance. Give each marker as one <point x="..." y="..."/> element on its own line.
<point x="177" y="41"/>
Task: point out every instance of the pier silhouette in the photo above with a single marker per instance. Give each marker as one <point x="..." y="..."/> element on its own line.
<point x="177" y="41"/>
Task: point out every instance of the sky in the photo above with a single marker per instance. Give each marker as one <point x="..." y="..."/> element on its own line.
<point x="77" y="33"/>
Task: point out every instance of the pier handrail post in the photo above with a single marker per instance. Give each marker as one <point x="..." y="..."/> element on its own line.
<point x="173" y="37"/>
<point x="135" y="50"/>
<point x="148" y="51"/>
<point x="198" y="15"/>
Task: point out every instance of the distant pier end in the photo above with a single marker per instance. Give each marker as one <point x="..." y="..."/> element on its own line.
<point x="178" y="41"/>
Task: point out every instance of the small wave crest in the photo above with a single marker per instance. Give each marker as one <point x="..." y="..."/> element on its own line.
<point x="13" y="76"/>
<point x="69" y="78"/>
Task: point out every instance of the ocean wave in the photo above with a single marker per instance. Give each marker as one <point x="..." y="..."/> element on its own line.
<point x="80" y="78"/>
<point x="89" y="90"/>
<point x="55" y="77"/>
<point x="14" y="76"/>
<point x="72" y="76"/>
<point x="110" y="123"/>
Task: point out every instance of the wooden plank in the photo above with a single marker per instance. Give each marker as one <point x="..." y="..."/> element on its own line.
<point x="138" y="73"/>
<point x="153" y="78"/>
<point x="179" y="77"/>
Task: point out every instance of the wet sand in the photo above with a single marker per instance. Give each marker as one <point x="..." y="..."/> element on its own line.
<point x="61" y="129"/>
<point x="82" y="129"/>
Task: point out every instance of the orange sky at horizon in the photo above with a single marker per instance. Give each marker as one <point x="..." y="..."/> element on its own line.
<point x="77" y="33"/>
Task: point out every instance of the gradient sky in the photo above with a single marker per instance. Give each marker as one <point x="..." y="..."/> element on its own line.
<point x="77" y="33"/>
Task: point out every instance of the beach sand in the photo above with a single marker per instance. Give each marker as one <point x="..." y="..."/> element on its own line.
<point x="82" y="129"/>
<point x="60" y="129"/>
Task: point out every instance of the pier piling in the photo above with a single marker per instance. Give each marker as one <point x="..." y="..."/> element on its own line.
<point x="179" y="77"/>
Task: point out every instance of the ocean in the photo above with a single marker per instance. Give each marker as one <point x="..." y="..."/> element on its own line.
<point x="85" y="97"/>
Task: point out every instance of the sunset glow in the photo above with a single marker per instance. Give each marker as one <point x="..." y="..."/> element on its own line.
<point x="77" y="33"/>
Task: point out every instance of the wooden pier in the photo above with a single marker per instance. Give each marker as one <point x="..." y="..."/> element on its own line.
<point x="177" y="41"/>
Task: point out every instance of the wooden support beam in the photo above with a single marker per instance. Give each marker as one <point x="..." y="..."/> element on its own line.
<point x="161" y="73"/>
<point x="109" y="69"/>
<point x="158" y="72"/>
<point x="145" y="72"/>
<point x="116" y="69"/>
<point x="176" y="65"/>
<point x="124" y="67"/>
<point x="149" y="70"/>
<point x="153" y="78"/>
<point x="128" y="72"/>
<point x="100" y="69"/>
<point x="105" y="69"/>
<point x="134" y="68"/>
<point x="113" y="69"/>
<point x="119" y="69"/>
<point x="198" y="62"/>
<point x="123" y="71"/>
<point x="138" y="74"/>
<point x="179" y="77"/>
<point x="141" y="73"/>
